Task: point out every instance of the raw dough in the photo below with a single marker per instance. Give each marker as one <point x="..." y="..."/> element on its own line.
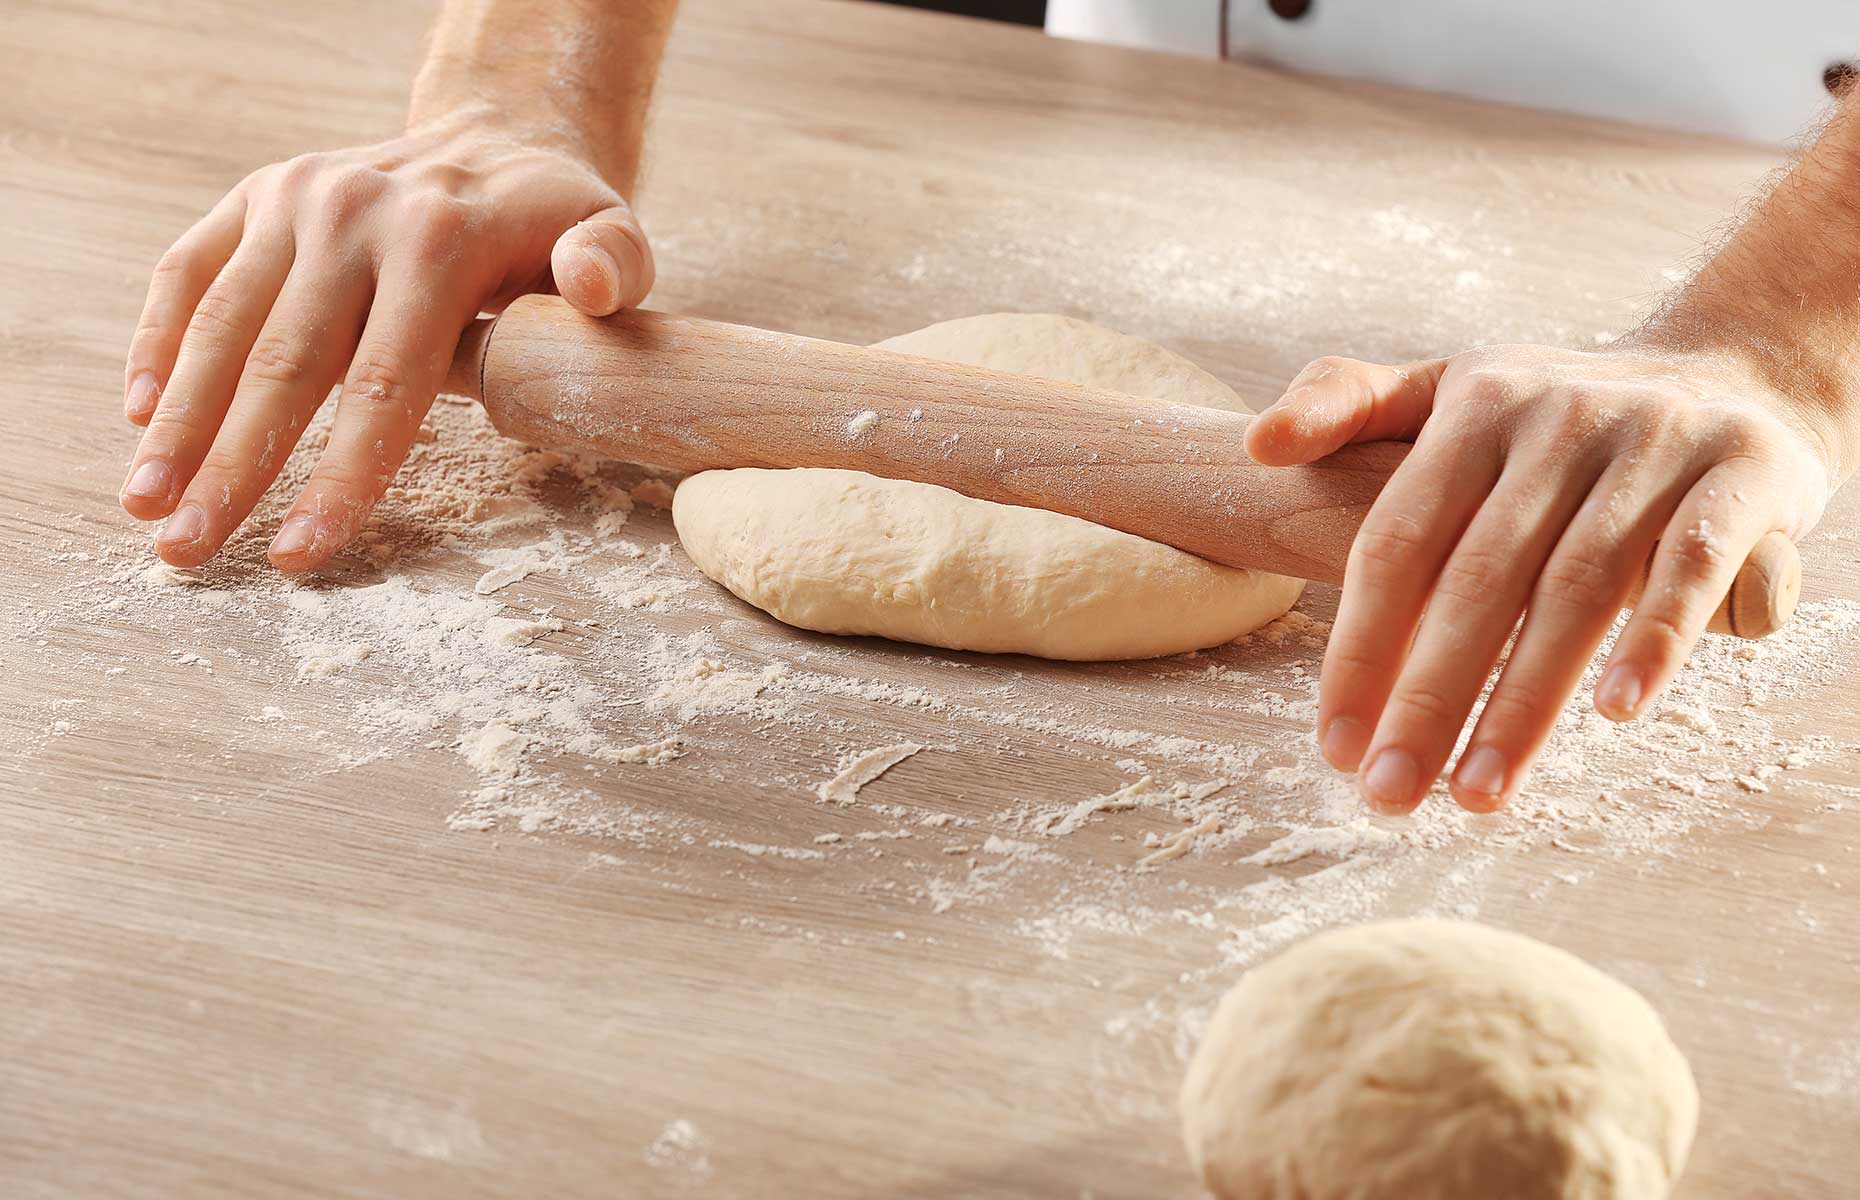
<point x="851" y="553"/>
<point x="1436" y="1060"/>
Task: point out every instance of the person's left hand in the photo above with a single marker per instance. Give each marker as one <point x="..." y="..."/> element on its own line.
<point x="358" y="267"/>
<point x="1539" y="484"/>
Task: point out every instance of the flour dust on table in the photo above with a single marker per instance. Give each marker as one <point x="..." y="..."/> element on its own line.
<point x="662" y="732"/>
<point x="850" y="553"/>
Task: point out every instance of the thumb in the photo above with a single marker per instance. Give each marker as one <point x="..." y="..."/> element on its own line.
<point x="1336" y="401"/>
<point x="603" y="264"/>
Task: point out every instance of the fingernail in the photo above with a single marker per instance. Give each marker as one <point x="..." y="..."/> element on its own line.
<point x="1390" y="781"/>
<point x="1482" y="771"/>
<point x="186" y="525"/>
<point x="1343" y="741"/>
<point x="144" y="392"/>
<point x="609" y="271"/>
<point x="297" y="535"/>
<point x="1618" y="694"/>
<point x="149" y="481"/>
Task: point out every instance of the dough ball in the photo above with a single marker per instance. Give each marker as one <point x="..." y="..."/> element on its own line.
<point x="1436" y="1060"/>
<point x="850" y="553"/>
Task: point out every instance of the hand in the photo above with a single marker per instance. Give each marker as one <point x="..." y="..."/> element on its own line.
<point x="361" y="267"/>
<point x="1539" y="484"/>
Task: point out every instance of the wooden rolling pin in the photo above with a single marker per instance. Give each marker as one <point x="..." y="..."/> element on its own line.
<point x="695" y="395"/>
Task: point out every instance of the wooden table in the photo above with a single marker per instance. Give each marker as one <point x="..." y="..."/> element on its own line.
<point x="243" y="952"/>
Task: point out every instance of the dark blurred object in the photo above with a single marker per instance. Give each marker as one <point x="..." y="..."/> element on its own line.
<point x="1290" y="10"/>
<point x="1839" y="78"/>
<point x="1021" y="12"/>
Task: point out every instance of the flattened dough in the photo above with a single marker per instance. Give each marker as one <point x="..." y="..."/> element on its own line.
<point x="850" y="553"/>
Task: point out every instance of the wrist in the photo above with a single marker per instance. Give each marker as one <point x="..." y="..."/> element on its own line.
<point x="1778" y="299"/>
<point x="610" y="144"/>
<point x="575" y="76"/>
<point x="1811" y="383"/>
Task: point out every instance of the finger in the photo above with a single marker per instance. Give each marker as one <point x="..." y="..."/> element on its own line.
<point x="604" y="264"/>
<point x="179" y="280"/>
<point x="1473" y="608"/>
<point x="1407" y="537"/>
<point x="299" y="356"/>
<point x="219" y="335"/>
<point x="1700" y="552"/>
<point x="1336" y="401"/>
<point x="1572" y="606"/>
<point x="402" y="357"/>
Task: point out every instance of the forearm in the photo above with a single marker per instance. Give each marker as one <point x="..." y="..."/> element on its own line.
<point x="575" y="74"/>
<point x="1783" y="294"/>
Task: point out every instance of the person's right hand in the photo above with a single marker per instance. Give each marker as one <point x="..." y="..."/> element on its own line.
<point x="1541" y="484"/>
<point x="359" y="267"/>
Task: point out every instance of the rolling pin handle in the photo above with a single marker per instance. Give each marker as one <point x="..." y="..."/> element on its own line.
<point x="1762" y="597"/>
<point x="465" y="377"/>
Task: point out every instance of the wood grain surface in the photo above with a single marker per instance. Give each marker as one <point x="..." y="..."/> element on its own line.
<point x="243" y="953"/>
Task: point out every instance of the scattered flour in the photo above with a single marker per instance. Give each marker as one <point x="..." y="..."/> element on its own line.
<point x="495" y="750"/>
<point x="680" y="1148"/>
<point x="1337" y="841"/>
<point x="320" y="660"/>
<point x="652" y="754"/>
<point x="1106" y="803"/>
<point x="857" y="770"/>
<point x="516" y="631"/>
<point x="508" y="566"/>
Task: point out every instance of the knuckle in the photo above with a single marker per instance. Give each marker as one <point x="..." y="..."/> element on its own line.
<point x="265" y="183"/>
<point x="1514" y="707"/>
<point x="279" y="361"/>
<point x="1326" y="371"/>
<point x="220" y="483"/>
<point x="1483" y="385"/>
<point x="215" y="319"/>
<point x="1353" y="661"/>
<point x="150" y="333"/>
<point x="437" y="224"/>
<point x="172" y="426"/>
<point x="1384" y="547"/>
<point x="379" y="387"/>
<point x="173" y="271"/>
<point x="1744" y="435"/>
<point x="1472" y="575"/>
<point x="342" y="483"/>
<point x="1576" y="415"/>
<point x="1424" y="704"/>
<point x="1661" y="637"/>
<point x="1578" y="582"/>
<point x="154" y="327"/>
<point x="344" y="492"/>
<point x="256" y="179"/>
<point x="1661" y="421"/>
<point x="294" y="173"/>
<point x="1696" y="550"/>
<point x="347" y="192"/>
